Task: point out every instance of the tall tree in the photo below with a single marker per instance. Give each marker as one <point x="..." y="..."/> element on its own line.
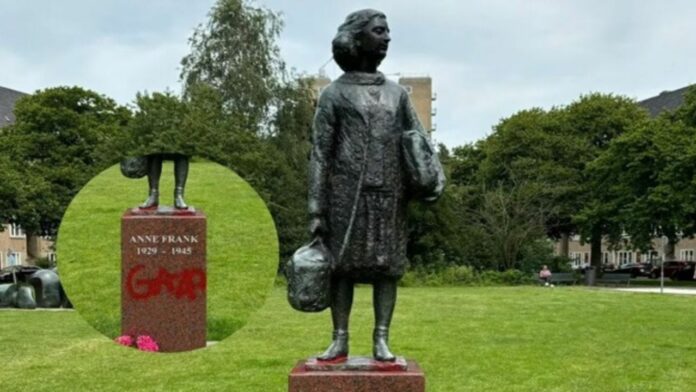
<point x="291" y="124"/>
<point x="597" y="119"/>
<point x="61" y="138"/>
<point x="442" y="233"/>
<point x="258" y="115"/>
<point x="534" y="147"/>
<point x="511" y="218"/>
<point x="236" y="53"/>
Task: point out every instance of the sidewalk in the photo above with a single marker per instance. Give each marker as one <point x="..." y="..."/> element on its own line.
<point x="667" y="290"/>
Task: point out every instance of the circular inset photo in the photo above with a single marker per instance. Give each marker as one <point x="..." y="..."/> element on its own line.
<point x="171" y="275"/>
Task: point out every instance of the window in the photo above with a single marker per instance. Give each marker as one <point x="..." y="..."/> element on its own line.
<point x="16" y="231"/>
<point x="686" y="254"/>
<point x="650" y="257"/>
<point x="13" y="258"/>
<point x="606" y="257"/>
<point x="625" y="258"/>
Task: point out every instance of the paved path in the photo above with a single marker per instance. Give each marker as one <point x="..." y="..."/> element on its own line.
<point x="667" y="290"/>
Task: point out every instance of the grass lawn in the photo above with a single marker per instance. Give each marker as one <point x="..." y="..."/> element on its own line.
<point x="242" y="244"/>
<point x="465" y="339"/>
<point x="668" y="282"/>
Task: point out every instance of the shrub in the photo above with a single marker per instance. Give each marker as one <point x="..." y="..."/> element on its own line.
<point x="462" y="276"/>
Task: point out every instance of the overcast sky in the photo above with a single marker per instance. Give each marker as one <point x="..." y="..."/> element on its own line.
<point x="488" y="59"/>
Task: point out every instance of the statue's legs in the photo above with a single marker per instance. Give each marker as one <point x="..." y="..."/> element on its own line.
<point x="341" y="303"/>
<point x="384" y="300"/>
<point x="181" y="166"/>
<point x="154" y="172"/>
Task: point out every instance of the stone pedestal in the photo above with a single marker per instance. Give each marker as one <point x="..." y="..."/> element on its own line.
<point x="357" y="374"/>
<point x="163" y="277"/>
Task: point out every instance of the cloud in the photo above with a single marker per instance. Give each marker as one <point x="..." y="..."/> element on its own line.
<point x="487" y="59"/>
<point x="490" y="59"/>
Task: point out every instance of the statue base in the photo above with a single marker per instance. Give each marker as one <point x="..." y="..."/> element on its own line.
<point x="356" y="374"/>
<point x="163" y="277"/>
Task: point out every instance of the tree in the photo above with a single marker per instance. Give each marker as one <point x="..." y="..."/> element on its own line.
<point x="159" y="126"/>
<point x="61" y="138"/>
<point x="294" y="111"/>
<point x="441" y="233"/>
<point x="511" y="218"/>
<point x="236" y="54"/>
<point x="645" y="182"/>
<point x="534" y="146"/>
<point x="597" y="119"/>
<point x="257" y="116"/>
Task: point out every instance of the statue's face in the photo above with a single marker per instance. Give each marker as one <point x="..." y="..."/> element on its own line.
<point x="374" y="40"/>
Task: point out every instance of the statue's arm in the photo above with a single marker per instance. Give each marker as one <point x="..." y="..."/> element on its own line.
<point x="323" y="131"/>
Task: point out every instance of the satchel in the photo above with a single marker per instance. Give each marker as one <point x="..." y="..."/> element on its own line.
<point x="309" y="277"/>
<point x="135" y="167"/>
<point x="426" y="178"/>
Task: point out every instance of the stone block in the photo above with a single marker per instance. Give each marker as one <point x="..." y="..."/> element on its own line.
<point x="357" y="374"/>
<point x="163" y="277"/>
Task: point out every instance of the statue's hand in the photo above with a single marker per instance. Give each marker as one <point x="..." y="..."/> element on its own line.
<point x="317" y="227"/>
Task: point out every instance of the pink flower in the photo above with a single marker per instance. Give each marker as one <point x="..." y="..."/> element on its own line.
<point x="146" y="343"/>
<point x="124" y="340"/>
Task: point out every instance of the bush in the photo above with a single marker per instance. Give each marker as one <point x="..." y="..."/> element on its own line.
<point x="516" y="277"/>
<point x="454" y="275"/>
<point x="490" y="277"/>
<point x="420" y="276"/>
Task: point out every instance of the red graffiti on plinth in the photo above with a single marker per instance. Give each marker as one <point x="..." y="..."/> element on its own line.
<point x="184" y="284"/>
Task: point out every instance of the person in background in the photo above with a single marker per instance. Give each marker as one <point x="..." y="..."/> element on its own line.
<point x="545" y="275"/>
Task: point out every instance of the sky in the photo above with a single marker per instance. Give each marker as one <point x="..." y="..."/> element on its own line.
<point x="487" y="59"/>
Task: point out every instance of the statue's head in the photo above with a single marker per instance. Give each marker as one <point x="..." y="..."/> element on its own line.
<point x="364" y="34"/>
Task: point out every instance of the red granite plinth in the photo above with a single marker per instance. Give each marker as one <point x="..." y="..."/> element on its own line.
<point x="308" y="376"/>
<point x="163" y="277"/>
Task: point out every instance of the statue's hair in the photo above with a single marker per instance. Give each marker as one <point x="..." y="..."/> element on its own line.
<point x="345" y="43"/>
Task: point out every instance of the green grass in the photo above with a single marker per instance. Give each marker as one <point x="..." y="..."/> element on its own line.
<point x="668" y="283"/>
<point x="465" y="339"/>
<point x="242" y="245"/>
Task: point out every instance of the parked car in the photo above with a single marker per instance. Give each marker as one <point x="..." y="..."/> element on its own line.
<point x="635" y="269"/>
<point x="673" y="269"/>
<point x="686" y="273"/>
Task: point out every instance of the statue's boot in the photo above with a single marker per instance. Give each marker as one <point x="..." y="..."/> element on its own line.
<point x="380" y="345"/>
<point x="338" y="348"/>
<point x="152" y="199"/>
<point x="179" y="198"/>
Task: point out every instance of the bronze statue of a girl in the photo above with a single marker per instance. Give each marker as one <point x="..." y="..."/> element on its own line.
<point x="358" y="189"/>
<point x="151" y="166"/>
<point x="154" y="171"/>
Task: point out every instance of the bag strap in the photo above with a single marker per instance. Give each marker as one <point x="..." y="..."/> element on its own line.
<point x="354" y="210"/>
